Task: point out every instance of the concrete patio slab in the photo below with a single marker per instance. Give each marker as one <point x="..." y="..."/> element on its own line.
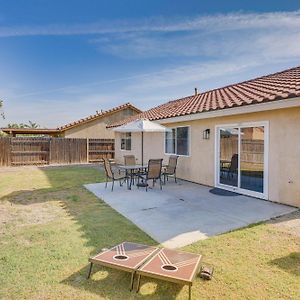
<point x="184" y="213"/>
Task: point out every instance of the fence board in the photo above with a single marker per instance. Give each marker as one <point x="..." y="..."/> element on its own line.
<point x="68" y="151"/>
<point x="252" y="151"/>
<point x="29" y="151"/>
<point x="100" y="148"/>
<point x="32" y="151"/>
<point x="5" y="152"/>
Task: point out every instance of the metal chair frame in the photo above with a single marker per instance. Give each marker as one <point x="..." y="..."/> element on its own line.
<point x="111" y="175"/>
<point x="151" y="174"/>
<point x="170" y="169"/>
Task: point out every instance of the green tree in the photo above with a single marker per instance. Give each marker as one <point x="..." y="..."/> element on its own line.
<point x="15" y="125"/>
<point x="32" y="125"/>
<point x="1" y="112"/>
<point x="22" y="125"/>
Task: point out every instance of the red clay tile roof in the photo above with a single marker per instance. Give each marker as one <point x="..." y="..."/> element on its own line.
<point x="99" y="115"/>
<point x="277" y="86"/>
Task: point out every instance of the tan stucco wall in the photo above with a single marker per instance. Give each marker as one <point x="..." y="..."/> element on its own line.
<point x="284" y="151"/>
<point x="97" y="128"/>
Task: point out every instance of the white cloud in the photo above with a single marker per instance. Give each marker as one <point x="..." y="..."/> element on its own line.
<point x="212" y="37"/>
<point x="207" y="51"/>
<point x="219" y="22"/>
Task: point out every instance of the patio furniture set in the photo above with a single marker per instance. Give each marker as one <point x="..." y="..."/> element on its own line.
<point x="140" y="174"/>
<point x="143" y="260"/>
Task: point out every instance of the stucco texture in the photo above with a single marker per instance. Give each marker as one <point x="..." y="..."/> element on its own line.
<point x="199" y="166"/>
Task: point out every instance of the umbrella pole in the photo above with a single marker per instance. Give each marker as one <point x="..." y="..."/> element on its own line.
<point x="142" y="148"/>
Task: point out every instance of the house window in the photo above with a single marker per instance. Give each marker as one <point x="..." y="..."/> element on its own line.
<point x="177" y="141"/>
<point x="126" y="141"/>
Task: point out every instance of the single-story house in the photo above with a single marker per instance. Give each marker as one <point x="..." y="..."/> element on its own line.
<point x="244" y="137"/>
<point x="93" y="126"/>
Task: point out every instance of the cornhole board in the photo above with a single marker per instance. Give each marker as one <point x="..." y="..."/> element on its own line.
<point x="171" y="265"/>
<point x="126" y="256"/>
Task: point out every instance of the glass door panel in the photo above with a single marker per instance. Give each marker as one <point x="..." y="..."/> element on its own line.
<point x="252" y="159"/>
<point x="229" y="165"/>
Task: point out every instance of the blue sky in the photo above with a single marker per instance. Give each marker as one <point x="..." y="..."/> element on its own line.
<point x="63" y="60"/>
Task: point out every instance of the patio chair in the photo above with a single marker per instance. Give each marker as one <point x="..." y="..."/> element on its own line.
<point x="110" y="174"/>
<point x="129" y="160"/>
<point x="232" y="167"/>
<point x="153" y="173"/>
<point x="170" y="169"/>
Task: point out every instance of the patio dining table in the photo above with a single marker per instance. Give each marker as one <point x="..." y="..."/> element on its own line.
<point x="130" y="172"/>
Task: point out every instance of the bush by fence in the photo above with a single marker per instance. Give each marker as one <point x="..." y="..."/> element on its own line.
<point x="34" y="151"/>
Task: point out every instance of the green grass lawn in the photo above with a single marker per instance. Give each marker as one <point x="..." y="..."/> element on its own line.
<point x="50" y="225"/>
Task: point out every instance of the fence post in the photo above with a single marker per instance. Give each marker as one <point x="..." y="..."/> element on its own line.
<point x="87" y="150"/>
<point x="10" y="151"/>
<point x="49" y="151"/>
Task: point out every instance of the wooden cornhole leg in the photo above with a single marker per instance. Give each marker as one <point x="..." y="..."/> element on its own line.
<point x="131" y="281"/>
<point x="90" y="270"/>
<point x="138" y="283"/>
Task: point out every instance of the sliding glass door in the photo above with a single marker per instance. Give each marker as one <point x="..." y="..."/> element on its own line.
<point x="229" y="148"/>
<point x="252" y="158"/>
<point x="241" y="160"/>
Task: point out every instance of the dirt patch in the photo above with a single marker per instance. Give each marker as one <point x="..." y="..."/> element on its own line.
<point x="12" y="214"/>
<point x="37" y="207"/>
<point x="289" y="223"/>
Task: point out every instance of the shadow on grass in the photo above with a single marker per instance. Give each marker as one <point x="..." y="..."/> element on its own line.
<point x="289" y="263"/>
<point x="86" y="226"/>
<point x="114" y="284"/>
<point x="99" y="225"/>
<point x="94" y="225"/>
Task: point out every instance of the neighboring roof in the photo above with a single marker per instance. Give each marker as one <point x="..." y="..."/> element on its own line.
<point x="30" y="131"/>
<point x="98" y="115"/>
<point x="73" y="124"/>
<point x="277" y="86"/>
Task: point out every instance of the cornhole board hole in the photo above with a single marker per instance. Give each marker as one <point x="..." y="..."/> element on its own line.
<point x="126" y="256"/>
<point x="171" y="265"/>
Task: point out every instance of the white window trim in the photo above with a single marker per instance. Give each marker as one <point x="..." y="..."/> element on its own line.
<point x="264" y="195"/>
<point x="189" y="141"/>
<point x="121" y="141"/>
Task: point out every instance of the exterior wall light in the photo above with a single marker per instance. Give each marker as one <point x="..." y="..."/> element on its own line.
<point x="206" y="134"/>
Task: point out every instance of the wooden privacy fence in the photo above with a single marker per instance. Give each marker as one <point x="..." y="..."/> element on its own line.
<point x="252" y="151"/>
<point x="67" y="151"/>
<point x="5" y="152"/>
<point x="101" y="148"/>
<point x="34" y="151"/>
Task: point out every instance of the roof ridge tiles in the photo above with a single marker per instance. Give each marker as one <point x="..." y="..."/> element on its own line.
<point x="98" y="114"/>
<point x="252" y="79"/>
<point x="277" y="86"/>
